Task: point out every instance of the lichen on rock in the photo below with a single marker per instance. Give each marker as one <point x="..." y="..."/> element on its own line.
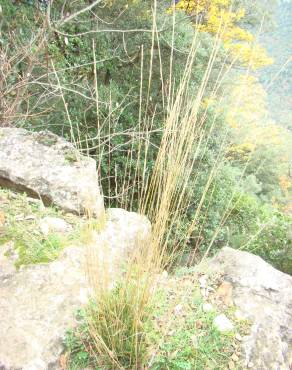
<point x="48" y="167"/>
<point x="264" y="296"/>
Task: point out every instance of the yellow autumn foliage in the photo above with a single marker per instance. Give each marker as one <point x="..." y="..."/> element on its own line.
<point x="248" y="114"/>
<point x="240" y="151"/>
<point x="285" y="183"/>
<point x="252" y="127"/>
<point x="218" y="18"/>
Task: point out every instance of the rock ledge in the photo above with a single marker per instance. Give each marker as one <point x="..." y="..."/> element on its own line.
<point x="48" y="167"/>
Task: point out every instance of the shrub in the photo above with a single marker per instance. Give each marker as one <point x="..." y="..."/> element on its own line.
<point x="262" y="230"/>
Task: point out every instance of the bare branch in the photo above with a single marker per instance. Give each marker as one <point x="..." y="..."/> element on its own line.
<point x="72" y="16"/>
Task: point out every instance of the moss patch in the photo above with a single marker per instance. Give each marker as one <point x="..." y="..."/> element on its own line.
<point x="183" y="335"/>
<point x="46" y="138"/>
<point x="22" y="217"/>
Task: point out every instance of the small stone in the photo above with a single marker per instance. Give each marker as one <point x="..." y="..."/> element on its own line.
<point x="250" y="365"/>
<point x="198" y="324"/>
<point x="225" y="293"/>
<point x="164" y="274"/>
<point x="207" y="307"/>
<point x="54" y="224"/>
<point x="210" y="289"/>
<point x="195" y="341"/>
<point x="30" y="217"/>
<point x="2" y="219"/>
<point x="203" y="281"/>
<point x="238" y="337"/>
<point x="223" y="324"/>
<point x="8" y="256"/>
<point x="234" y="357"/>
<point x="178" y="309"/>
<point x="231" y="365"/>
<point x="239" y="315"/>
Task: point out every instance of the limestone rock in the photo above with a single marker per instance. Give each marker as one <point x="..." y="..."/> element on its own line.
<point x="207" y="307"/>
<point x="123" y="233"/>
<point x="263" y="295"/>
<point x="46" y="166"/>
<point x="8" y="257"/>
<point x="54" y="225"/>
<point x="39" y="302"/>
<point x="223" y="324"/>
<point x="37" y="305"/>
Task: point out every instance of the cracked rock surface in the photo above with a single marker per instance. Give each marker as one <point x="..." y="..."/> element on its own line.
<point x="264" y="296"/>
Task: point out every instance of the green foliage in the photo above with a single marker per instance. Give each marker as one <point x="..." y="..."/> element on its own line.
<point x="265" y="164"/>
<point x="182" y="350"/>
<point x="233" y="214"/>
<point x="75" y="344"/>
<point x="274" y="244"/>
<point x="261" y="230"/>
<point x="38" y="249"/>
<point x="118" y="68"/>
<point x="21" y="226"/>
<point x="188" y="340"/>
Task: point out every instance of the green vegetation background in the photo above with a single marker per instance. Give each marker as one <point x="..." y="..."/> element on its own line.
<point x="50" y="77"/>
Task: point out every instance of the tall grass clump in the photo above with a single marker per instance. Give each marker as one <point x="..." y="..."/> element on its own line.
<point x="116" y="319"/>
<point x="117" y="316"/>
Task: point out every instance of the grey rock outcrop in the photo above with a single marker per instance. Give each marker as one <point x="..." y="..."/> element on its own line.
<point x="39" y="302"/>
<point x="123" y="233"/>
<point x="264" y="296"/>
<point x="48" y="167"/>
<point x="54" y="224"/>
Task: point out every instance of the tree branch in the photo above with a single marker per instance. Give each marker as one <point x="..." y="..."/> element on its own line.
<point x="72" y="16"/>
